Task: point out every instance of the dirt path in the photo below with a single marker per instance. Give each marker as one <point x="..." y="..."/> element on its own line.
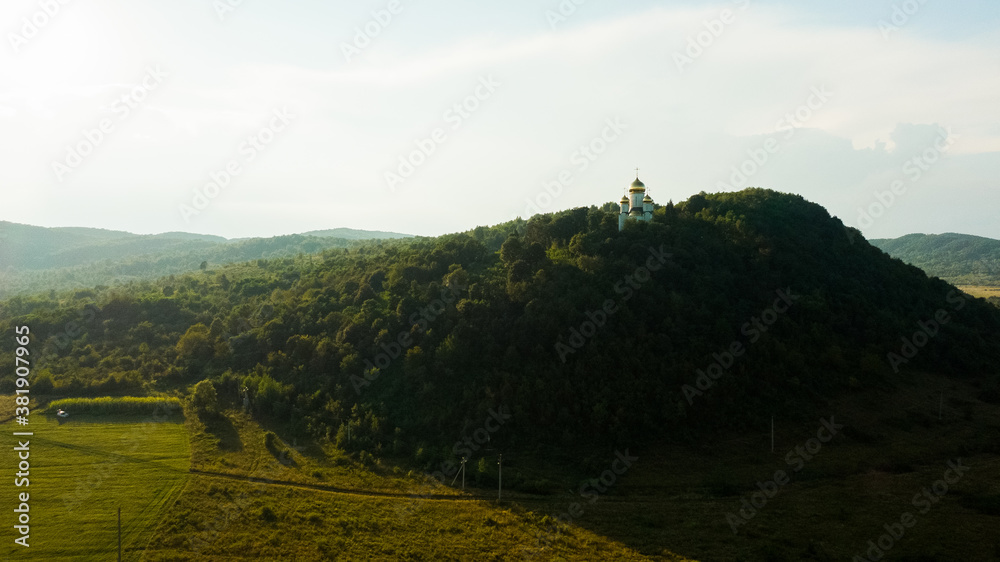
<point x="338" y="490"/>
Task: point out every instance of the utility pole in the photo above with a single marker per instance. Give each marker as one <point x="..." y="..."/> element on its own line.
<point x="119" y="534"/>
<point x="462" y="472"/>
<point x="500" y="474"/>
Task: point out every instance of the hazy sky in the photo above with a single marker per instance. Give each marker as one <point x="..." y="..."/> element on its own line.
<point x="437" y="116"/>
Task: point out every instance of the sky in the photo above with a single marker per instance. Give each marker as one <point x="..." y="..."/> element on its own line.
<point x="258" y="118"/>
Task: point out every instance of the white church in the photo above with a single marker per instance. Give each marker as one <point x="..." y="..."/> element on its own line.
<point x="637" y="205"/>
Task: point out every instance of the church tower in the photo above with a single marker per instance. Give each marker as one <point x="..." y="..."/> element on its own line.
<point x="636" y="205"/>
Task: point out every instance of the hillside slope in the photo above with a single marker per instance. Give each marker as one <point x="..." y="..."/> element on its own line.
<point x="958" y="258"/>
<point x="35" y="259"/>
<point x="560" y="329"/>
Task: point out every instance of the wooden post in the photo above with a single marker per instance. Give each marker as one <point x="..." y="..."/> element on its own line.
<point x="772" y="434"/>
<point x="500" y="476"/>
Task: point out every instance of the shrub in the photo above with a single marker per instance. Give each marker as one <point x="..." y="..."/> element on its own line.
<point x="124" y="405"/>
<point x="271" y="441"/>
<point x="43" y="384"/>
<point x="204" y="398"/>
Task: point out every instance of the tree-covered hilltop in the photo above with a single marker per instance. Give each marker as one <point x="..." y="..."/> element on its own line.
<point x="725" y="310"/>
<point x="958" y="258"/>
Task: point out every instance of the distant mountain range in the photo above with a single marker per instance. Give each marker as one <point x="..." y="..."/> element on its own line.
<point x="962" y="259"/>
<point x="35" y="259"/>
<point x="352" y="234"/>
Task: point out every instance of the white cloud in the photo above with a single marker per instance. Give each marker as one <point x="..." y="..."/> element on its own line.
<point x="686" y="129"/>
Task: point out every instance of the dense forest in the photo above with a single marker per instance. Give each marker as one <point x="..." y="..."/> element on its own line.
<point x="724" y="310"/>
<point x="958" y="258"/>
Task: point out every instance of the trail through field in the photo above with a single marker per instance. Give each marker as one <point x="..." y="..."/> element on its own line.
<point x="338" y="490"/>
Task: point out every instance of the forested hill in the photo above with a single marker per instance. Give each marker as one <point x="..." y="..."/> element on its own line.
<point x="35" y="259"/>
<point x="721" y="312"/>
<point x="33" y="247"/>
<point x="355" y="234"/>
<point x="958" y="258"/>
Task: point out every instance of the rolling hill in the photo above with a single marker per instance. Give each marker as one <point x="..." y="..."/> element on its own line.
<point x="959" y="258"/>
<point x="757" y="289"/>
<point x="35" y="259"/>
<point x="568" y="348"/>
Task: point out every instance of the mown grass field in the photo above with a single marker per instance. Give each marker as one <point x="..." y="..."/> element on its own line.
<point x="82" y="471"/>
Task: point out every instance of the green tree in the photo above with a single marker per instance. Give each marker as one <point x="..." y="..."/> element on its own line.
<point x="204" y="398"/>
<point x="196" y="344"/>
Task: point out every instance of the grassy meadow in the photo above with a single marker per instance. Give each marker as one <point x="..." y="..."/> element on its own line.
<point x="83" y="470"/>
<point x="672" y="504"/>
<point x="211" y="488"/>
<point x="983" y="291"/>
<point x="313" y="503"/>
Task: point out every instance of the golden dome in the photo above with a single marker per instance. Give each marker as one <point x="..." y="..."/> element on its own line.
<point x="637" y="186"/>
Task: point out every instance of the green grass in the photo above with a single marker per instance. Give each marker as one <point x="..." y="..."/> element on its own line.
<point x="83" y="470"/>
<point x="124" y="405"/>
<point x="320" y="504"/>
<point x="983" y="291"/>
<point x="671" y="505"/>
<point x="377" y="514"/>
